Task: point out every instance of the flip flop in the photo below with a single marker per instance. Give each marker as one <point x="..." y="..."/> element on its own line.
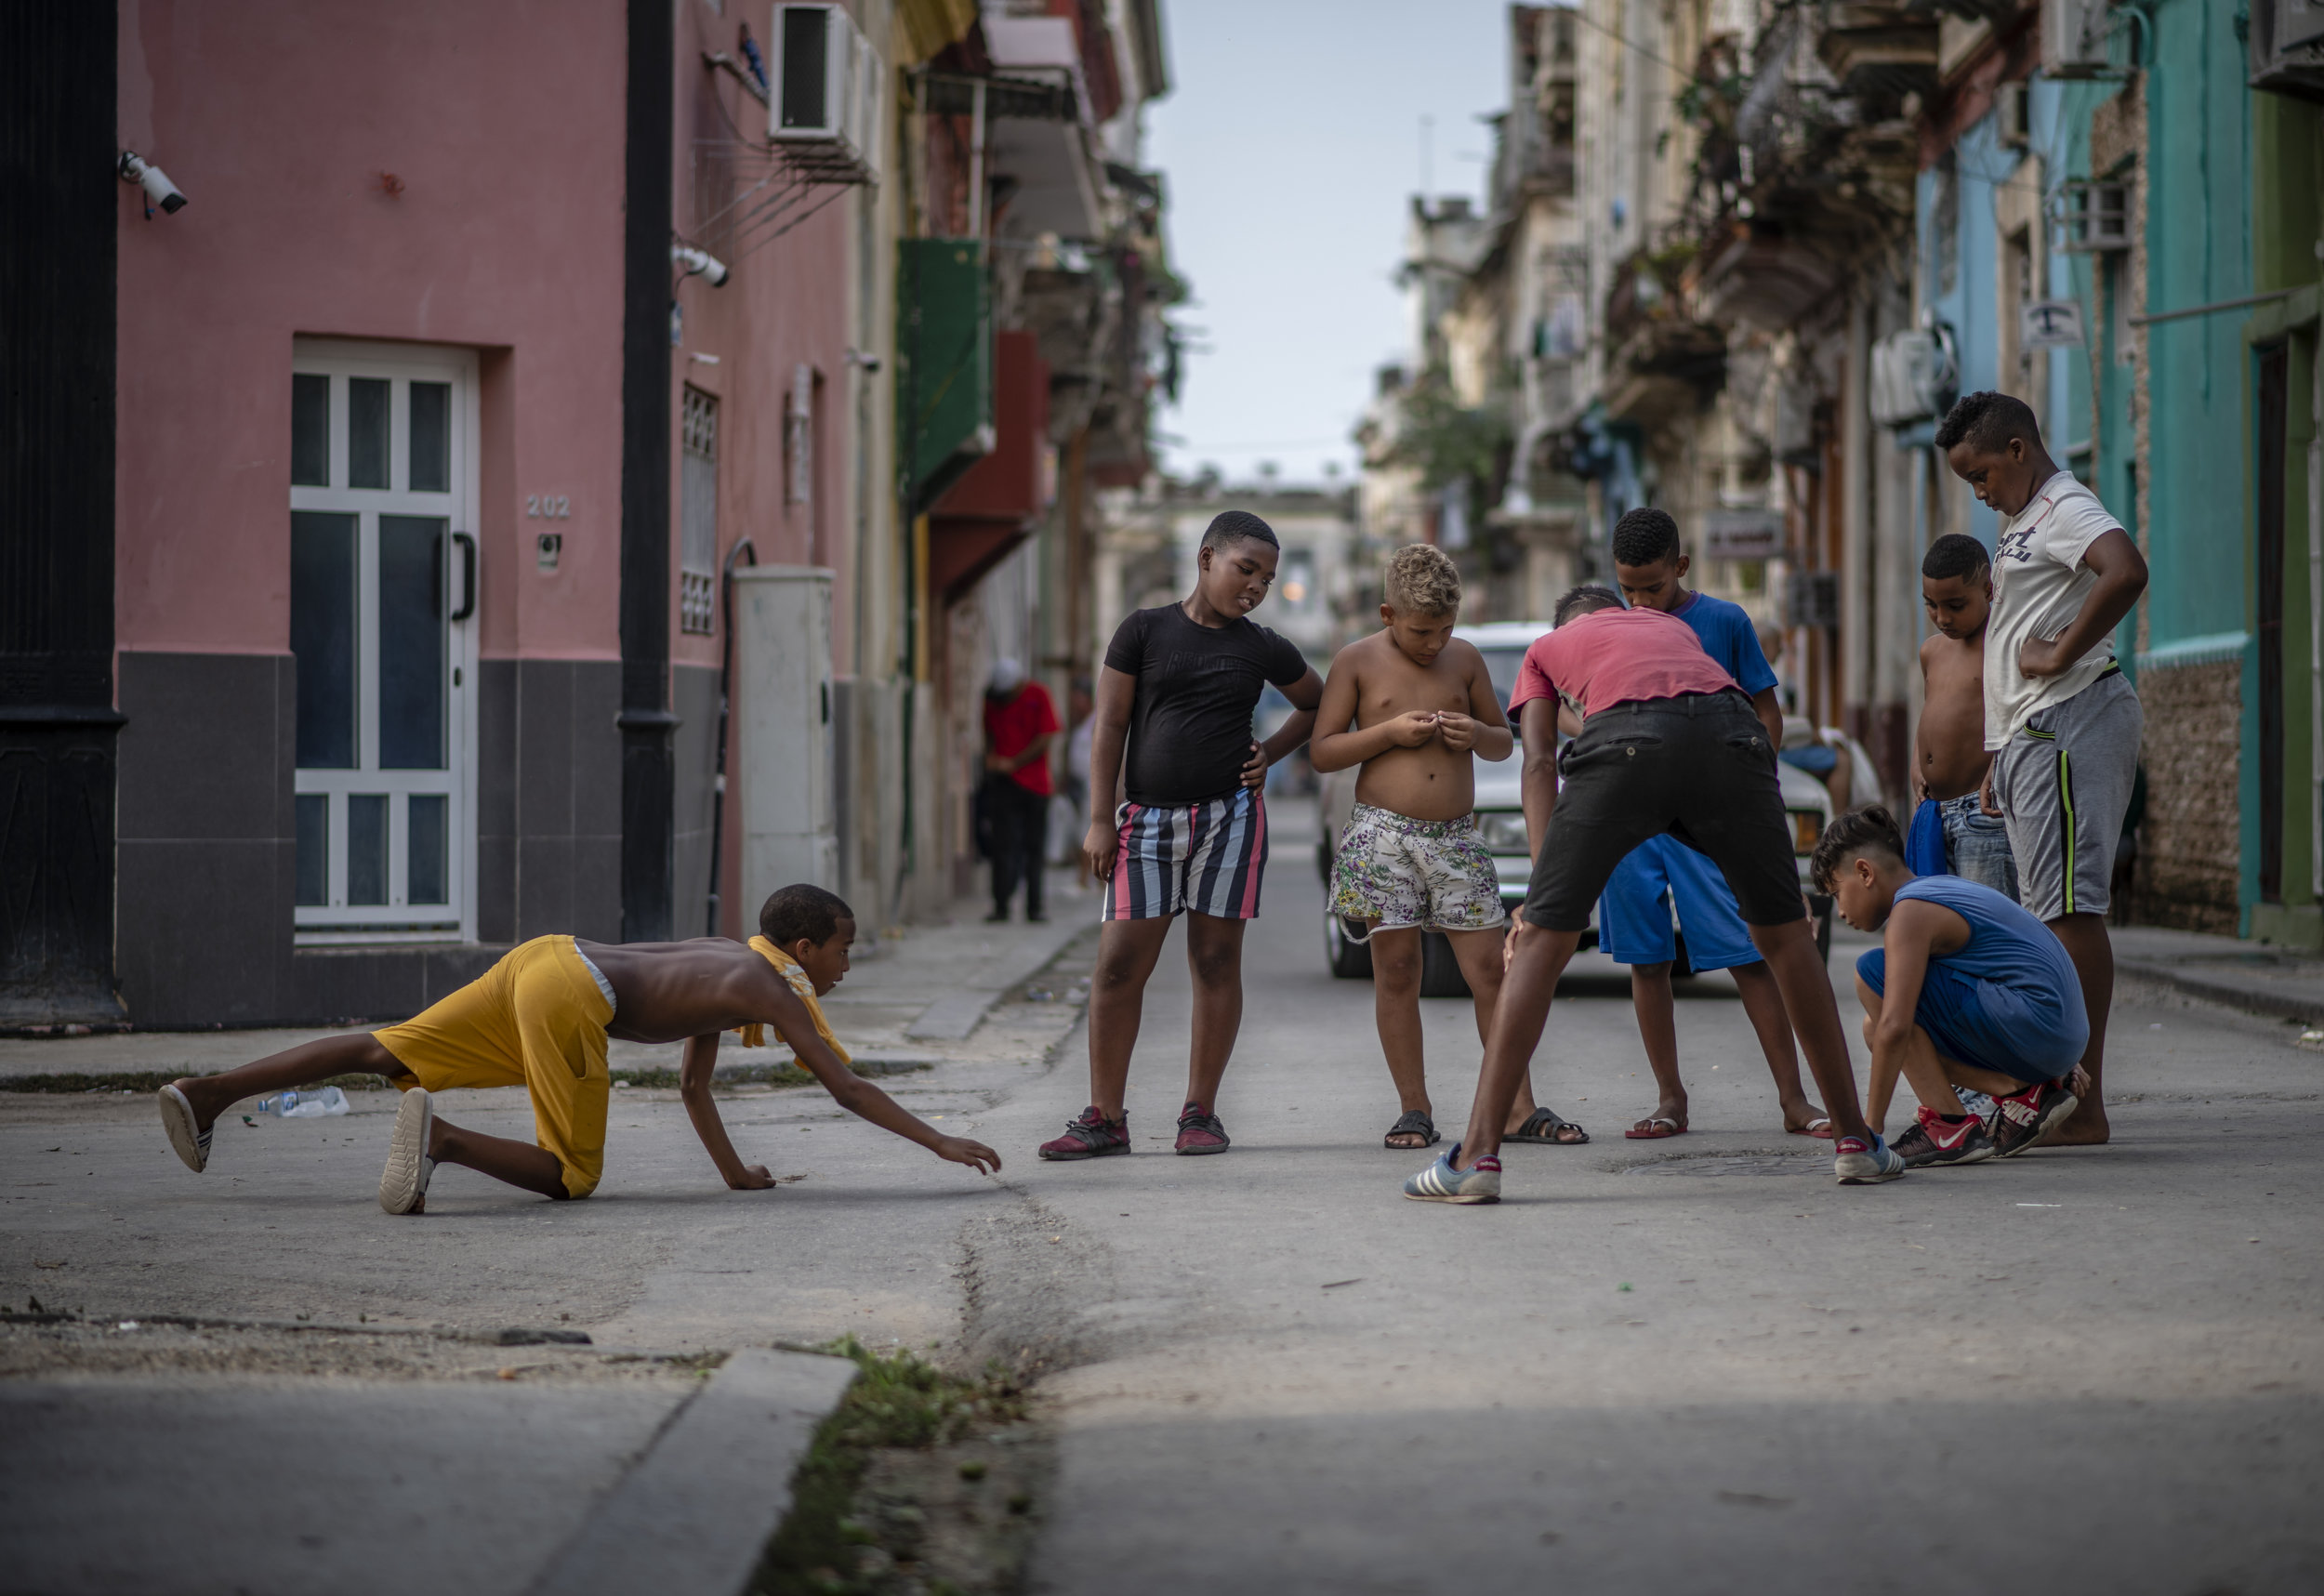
<point x="1654" y="1131"/>
<point x="1414" y="1123"/>
<point x="1541" y="1128"/>
<point x="192" y="1145"/>
<point x="1819" y="1128"/>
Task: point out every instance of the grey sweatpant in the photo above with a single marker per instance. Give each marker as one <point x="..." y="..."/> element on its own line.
<point x="2064" y="782"/>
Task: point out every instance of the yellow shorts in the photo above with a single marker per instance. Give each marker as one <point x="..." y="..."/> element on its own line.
<point x="536" y="1019"/>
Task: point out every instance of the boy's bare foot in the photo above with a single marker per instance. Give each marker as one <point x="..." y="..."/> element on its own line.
<point x="2086" y="1127"/>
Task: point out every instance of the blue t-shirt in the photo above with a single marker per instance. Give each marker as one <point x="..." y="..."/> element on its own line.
<point x="1730" y="640"/>
<point x="2027" y="1003"/>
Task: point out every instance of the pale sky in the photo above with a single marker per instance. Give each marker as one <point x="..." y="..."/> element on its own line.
<point x="1291" y="143"/>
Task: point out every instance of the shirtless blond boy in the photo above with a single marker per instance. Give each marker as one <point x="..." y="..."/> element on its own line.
<point x="540" y="1018"/>
<point x="1411" y="704"/>
<point x="1951" y="831"/>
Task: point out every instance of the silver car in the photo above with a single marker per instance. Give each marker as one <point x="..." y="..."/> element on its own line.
<point x="1501" y="819"/>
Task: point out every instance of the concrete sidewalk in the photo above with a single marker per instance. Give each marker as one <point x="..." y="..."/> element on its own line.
<point x="2252" y="976"/>
<point x="251" y="1380"/>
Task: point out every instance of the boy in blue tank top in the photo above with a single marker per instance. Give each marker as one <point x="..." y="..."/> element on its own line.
<point x="1633" y="919"/>
<point x="1967" y="989"/>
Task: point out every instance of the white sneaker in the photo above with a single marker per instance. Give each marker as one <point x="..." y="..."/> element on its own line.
<point x="1854" y="1164"/>
<point x="1440" y="1183"/>
<point x="404" y="1181"/>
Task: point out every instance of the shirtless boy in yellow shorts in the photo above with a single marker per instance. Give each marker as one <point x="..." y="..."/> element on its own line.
<point x="1411" y="704"/>
<point x="540" y="1019"/>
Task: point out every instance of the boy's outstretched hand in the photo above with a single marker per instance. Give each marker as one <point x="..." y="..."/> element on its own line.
<point x="960" y="1150"/>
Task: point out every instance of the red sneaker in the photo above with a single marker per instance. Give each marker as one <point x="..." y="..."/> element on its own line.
<point x="1092" y="1136"/>
<point x="2022" y="1119"/>
<point x="1199" y="1131"/>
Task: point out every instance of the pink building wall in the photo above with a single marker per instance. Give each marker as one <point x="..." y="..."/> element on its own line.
<point x="278" y="120"/>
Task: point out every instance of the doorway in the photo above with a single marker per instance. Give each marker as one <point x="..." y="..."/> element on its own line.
<point x="383" y="582"/>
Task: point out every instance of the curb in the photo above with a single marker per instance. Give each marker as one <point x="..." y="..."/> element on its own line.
<point x="958" y="1012"/>
<point x="693" y="1516"/>
<point x="2232" y="993"/>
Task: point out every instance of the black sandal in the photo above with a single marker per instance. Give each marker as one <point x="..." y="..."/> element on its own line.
<point x="1414" y="1123"/>
<point x="1541" y="1128"/>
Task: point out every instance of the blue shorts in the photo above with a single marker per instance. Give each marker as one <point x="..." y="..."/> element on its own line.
<point x="1984" y="1025"/>
<point x="1816" y="759"/>
<point x="1634" y="922"/>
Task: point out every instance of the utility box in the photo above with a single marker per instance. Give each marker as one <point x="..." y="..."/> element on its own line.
<point x="782" y="758"/>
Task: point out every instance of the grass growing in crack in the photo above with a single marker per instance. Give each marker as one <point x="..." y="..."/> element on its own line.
<point x="898" y="1402"/>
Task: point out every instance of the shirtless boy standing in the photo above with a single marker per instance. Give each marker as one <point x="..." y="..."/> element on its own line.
<point x="1420" y="702"/>
<point x="540" y="1018"/>
<point x="1949" y="758"/>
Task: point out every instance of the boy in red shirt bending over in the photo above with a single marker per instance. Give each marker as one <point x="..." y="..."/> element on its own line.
<point x="1668" y="742"/>
<point x="1020" y="723"/>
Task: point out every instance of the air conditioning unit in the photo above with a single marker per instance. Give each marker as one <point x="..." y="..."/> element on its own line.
<point x="2074" y="38"/>
<point x="2096" y="217"/>
<point x="1913" y="377"/>
<point x="2287" y="46"/>
<point x="825" y="108"/>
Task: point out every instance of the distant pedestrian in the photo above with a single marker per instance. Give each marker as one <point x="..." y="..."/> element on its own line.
<point x="540" y="1019"/>
<point x="1949" y="758"/>
<point x="1669" y="743"/>
<point x="1966" y="990"/>
<point x="1662" y="877"/>
<point x="1173" y="730"/>
<point x="1020" y="724"/>
<point x="2060" y="719"/>
<point x="1414" y="706"/>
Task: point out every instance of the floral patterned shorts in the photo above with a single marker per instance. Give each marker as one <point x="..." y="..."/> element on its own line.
<point x="1404" y="872"/>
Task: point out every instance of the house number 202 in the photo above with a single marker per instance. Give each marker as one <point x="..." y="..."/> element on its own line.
<point x="548" y="507"/>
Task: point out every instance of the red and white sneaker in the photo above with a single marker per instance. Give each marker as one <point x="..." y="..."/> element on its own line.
<point x="2023" y="1118"/>
<point x="1929" y="1140"/>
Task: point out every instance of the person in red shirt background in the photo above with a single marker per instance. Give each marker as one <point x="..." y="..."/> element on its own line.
<point x="1020" y="723"/>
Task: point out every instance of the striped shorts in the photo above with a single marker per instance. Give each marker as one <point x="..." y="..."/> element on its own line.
<point x="1207" y="857"/>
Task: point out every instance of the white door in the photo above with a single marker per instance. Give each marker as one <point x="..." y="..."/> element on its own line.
<point x="383" y="601"/>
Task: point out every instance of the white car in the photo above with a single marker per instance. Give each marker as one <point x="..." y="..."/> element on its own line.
<point x="1501" y="819"/>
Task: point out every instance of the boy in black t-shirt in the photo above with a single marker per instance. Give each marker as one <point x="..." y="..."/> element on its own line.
<point x="1176" y="697"/>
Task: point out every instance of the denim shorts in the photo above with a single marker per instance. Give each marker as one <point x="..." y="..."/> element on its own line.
<point x="1976" y="844"/>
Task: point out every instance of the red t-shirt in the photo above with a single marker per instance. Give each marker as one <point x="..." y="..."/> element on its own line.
<point x="1013" y="723"/>
<point x="1616" y="656"/>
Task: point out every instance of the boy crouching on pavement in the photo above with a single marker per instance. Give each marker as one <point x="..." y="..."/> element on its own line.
<point x="1420" y="702"/>
<point x="540" y="1019"/>
<point x="1967" y="989"/>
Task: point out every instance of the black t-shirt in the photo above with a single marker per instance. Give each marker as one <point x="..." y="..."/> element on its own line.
<point x="1190" y="724"/>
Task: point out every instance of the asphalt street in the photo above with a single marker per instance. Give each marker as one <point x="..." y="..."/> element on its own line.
<point x="1683" y="1365"/>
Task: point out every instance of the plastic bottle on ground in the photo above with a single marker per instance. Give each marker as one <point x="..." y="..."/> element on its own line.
<point x="304" y="1104"/>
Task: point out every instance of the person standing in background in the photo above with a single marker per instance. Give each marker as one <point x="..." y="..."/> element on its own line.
<point x="1020" y="723"/>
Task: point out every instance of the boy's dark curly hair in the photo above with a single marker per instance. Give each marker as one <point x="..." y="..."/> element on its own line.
<point x="1955" y="554"/>
<point x="1868" y="830"/>
<point x="1581" y="600"/>
<point x="1986" y="421"/>
<point x="799" y="910"/>
<point x="1645" y="536"/>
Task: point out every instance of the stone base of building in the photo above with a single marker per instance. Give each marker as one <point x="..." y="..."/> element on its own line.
<point x="2189" y="845"/>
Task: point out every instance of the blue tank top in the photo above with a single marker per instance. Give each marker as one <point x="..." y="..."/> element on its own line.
<point x="2010" y="951"/>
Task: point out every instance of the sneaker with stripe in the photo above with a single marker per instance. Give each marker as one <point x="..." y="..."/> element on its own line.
<point x="1440" y="1183"/>
<point x="2022" y="1119"/>
<point x="1090" y="1136"/>
<point x="1857" y="1161"/>
<point x="1199" y="1131"/>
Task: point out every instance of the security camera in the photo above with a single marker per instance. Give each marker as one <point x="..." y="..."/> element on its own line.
<point x="697" y="262"/>
<point x="159" y="189"/>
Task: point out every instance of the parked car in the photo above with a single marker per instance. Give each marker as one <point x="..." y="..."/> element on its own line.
<point x="1502" y="820"/>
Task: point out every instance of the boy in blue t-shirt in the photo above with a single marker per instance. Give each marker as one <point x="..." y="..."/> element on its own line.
<point x="1967" y="989"/>
<point x="1633" y="920"/>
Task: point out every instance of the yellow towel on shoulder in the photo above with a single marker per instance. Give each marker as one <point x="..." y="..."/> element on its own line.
<point x="754" y="1034"/>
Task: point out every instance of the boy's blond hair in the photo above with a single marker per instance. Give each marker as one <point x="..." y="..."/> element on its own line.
<point x="1422" y="579"/>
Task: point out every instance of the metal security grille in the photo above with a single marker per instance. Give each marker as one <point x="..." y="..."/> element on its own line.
<point x="698" y="513"/>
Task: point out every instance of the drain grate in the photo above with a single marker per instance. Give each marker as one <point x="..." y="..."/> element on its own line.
<point x="1700" y="1165"/>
